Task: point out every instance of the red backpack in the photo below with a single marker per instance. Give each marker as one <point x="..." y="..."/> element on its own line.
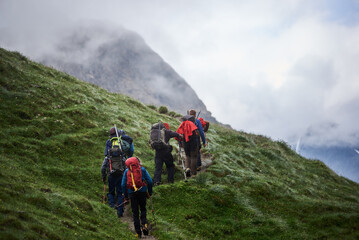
<point x="134" y="174"/>
<point x="205" y="124"/>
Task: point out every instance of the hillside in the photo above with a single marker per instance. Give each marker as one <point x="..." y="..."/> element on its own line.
<point x="120" y="61"/>
<point x="53" y="132"/>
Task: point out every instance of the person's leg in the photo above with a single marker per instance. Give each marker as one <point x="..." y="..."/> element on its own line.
<point x="158" y="168"/>
<point x="111" y="191"/>
<point x="170" y="168"/>
<point x="193" y="162"/>
<point x="142" y="198"/>
<point x="187" y="148"/>
<point x="199" y="161"/>
<point x="119" y="196"/>
<point x="135" y="212"/>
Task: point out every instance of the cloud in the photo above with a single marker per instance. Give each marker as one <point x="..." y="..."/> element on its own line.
<point x="285" y="69"/>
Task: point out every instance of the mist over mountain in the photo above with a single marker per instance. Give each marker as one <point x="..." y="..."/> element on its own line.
<point x="120" y="61"/>
<point x="343" y="160"/>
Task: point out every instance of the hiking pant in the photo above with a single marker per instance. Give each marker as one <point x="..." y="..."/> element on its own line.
<point x="199" y="161"/>
<point x="115" y="192"/>
<point x="164" y="156"/>
<point x="191" y="161"/>
<point x="138" y="203"/>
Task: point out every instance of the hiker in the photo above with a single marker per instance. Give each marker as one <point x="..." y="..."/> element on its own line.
<point x="201" y="132"/>
<point x="164" y="155"/>
<point x="190" y="142"/>
<point x="137" y="185"/>
<point x="114" y="165"/>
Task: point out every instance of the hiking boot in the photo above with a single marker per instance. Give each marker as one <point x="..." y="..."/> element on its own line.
<point x="119" y="215"/>
<point x="157" y="183"/>
<point x="138" y="235"/>
<point x="199" y="168"/>
<point x="188" y="172"/>
<point x="145" y="229"/>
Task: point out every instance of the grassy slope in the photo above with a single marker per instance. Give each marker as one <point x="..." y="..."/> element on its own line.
<point x="53" y="130"/>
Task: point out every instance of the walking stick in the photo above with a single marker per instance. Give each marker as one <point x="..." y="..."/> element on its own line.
<point x="104" y="191"/>
<point x="153" y="212"/>
<point x="180" y="155"/>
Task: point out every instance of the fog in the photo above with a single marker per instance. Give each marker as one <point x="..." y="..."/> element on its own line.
<point x="284" y="69"/>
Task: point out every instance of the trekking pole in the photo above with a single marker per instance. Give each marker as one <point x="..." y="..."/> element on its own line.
<point x="104" y="191"/>
<point x="180" y="155"/>
<point x="198" y="114"/>
<point x="119" y="205"/>
<point x="153" y="212"/>
<point x="118" y="138"/>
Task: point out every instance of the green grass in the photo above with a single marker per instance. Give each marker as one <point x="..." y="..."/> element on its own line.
<point x="53" y="131"/>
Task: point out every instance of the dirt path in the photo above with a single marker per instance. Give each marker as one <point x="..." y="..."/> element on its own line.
<point x="127" y="218"/>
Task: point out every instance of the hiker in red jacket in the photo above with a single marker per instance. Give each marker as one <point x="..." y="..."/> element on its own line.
<point x="190" y="143"/>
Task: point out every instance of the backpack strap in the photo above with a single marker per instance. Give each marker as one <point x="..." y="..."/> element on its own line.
<point x="133" y="180"/>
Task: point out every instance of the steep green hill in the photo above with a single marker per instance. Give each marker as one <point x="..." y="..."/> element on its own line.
<point x="53" y="132"/>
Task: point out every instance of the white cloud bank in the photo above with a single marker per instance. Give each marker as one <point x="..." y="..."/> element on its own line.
<point x="285" y="69"/>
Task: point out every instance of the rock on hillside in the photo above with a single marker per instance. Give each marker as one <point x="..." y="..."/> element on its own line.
<point x="121" y="61"/>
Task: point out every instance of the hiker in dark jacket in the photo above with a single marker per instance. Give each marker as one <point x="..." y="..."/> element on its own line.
<point x="115" y="198"/>
<point x="164" y="155"/>
<point x="122" y="134"/>
<point x="203" y="137"/>
<point x="138" y="196"/>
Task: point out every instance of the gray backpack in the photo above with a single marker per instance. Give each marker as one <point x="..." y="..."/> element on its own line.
<point x="116" y="158"/>
<point x="157" y="136"/>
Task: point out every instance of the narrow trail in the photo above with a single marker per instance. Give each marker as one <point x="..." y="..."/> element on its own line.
<point x="127" y="216"/>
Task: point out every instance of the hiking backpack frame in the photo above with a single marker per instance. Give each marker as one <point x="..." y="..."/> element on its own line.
<point x="116" y="156"/>
<point x="157" y="136"/>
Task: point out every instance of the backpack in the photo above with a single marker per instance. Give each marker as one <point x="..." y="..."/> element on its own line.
<point x="189" y="117"/>
<point x="205" y="124"/>
<point x="157" y="136"/>
<point x="116" y="158"/>
<point x="206" y="127"/>
<point x="125" y="146"/>
<point x="134" y="174"/>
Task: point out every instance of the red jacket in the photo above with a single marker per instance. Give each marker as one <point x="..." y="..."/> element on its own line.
<point x="186" y="128"/>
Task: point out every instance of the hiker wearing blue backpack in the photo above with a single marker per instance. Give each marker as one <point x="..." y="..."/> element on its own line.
<point x="118" y="148"/>
<point x="203" y="137"/>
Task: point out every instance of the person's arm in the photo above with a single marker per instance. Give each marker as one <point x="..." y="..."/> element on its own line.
<point x="148" y="180"/>
<point x="104" y="168"/>
<point x="132" y="150"/>
<point x="201" y="132"/>
<point x="124" y="183"/>
<point x="174" y="134"/>
<point x="107" y="147"/>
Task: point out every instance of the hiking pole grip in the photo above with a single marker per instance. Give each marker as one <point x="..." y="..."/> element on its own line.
<point x="198" y="114"/>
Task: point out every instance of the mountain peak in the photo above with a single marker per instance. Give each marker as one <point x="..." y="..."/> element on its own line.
<point x="120" y="61"/>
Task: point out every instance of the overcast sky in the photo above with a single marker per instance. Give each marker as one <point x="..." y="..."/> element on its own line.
<point x="287" y="69"/>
